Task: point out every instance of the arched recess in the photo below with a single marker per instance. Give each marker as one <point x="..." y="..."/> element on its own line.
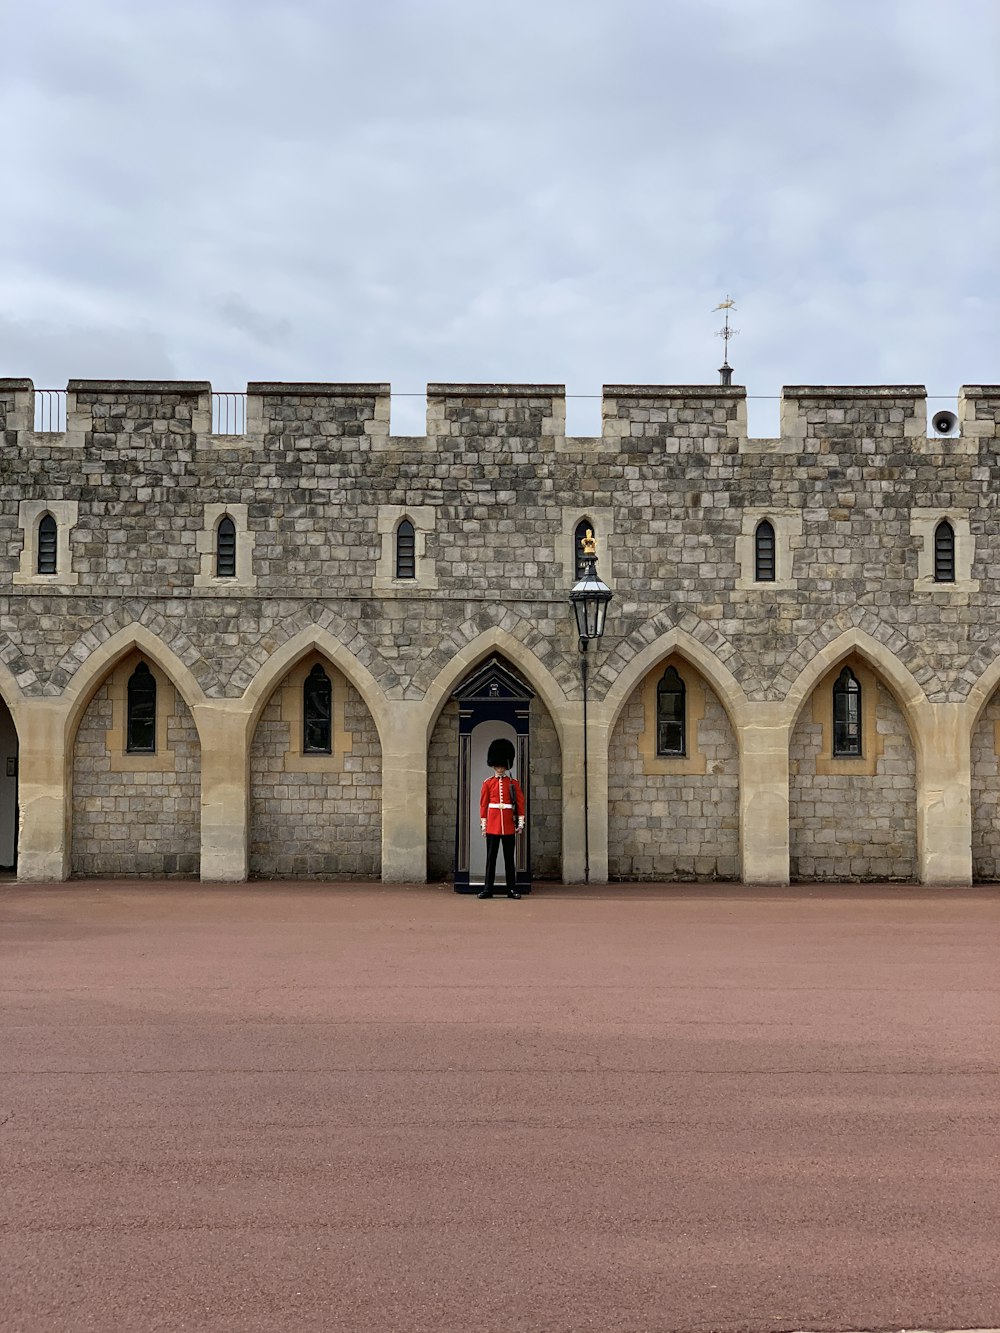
<point x="545" y="763"/>
<point x="314" y="815"/>
<point x="8" y="770"/>
<point x="982" y="713"/>
<point x="855" y="817"/>
<point x="673" y="815"/>
<point x="135" y="815"/>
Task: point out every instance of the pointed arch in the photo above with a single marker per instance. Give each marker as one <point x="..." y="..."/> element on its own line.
<point x="908" y="692"/>
<point x="495" y="639"/>
<point x="314" y="638"/>
<point x="730" y="692"/>
<point x="10" y="692"/>
<point x="85" y="682"/>
<point x="979" y="696"/>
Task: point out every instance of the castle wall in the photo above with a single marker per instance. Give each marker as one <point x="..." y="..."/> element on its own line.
<point x="316" y="484"/>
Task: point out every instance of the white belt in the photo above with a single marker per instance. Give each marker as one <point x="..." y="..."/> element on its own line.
<point x="495" y="805"/>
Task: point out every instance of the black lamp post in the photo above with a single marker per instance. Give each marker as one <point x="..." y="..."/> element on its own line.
<point x="589" y="598"/>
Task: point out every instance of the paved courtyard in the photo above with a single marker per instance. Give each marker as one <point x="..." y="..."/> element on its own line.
<point x="351" y="1107"/>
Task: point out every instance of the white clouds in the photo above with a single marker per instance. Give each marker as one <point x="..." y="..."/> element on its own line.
<point x="449" y="190"/>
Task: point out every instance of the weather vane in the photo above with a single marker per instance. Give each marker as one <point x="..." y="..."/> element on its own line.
<point x="725" y="333"/>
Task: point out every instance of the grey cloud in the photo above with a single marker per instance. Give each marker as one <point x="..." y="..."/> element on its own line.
<point x="427" y="190"/>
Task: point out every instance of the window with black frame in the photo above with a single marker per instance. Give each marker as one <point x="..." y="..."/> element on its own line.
<point x="141" y="711"/>
<point x="944" y="553"/>
<point x="671" y="728"/>
<point x="317" y="713"/>
<point x="47" y="536"/>
<point x="225" y="549"/>
<point x="406" y="551"/>
<point x="764" y="552"/>
<point x="847" y="715"/>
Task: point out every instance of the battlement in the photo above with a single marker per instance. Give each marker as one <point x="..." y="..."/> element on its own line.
<point x="636" y="418"/>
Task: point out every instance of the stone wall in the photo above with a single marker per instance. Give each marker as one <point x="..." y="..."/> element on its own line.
<point x="853" y="826"/>
<point x="316" y="824"/>
<point x="986" y="795"/>
<point x="673" y="826"/>
<point x="142" y="823"/>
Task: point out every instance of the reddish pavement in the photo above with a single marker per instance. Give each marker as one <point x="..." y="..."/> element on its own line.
<point x="295" y="1107"/>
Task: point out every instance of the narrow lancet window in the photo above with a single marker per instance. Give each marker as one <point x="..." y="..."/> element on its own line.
<point x="225" y="549"/>
<point x="582" y="528"/>
<point x="944" y="553"/>
<point x="141" y="709"/>
<point x="847" y="715"/>
<point x="47" y="545"/>
<point x="764" y="566"/>
<point x="406" y="551"/>
<point x="671" y="729"/>
<point x="317" y="713"/>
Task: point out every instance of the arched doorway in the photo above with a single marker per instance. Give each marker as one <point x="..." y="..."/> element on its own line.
<point x="8" y="791"/>
<point x="852" y="781"/>
<point x="452" y="805"/>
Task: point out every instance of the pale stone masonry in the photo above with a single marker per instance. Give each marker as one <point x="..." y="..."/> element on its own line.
<point x="854" y="486"/>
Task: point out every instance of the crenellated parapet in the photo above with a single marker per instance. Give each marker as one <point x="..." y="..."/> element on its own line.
<point x="636" y="419"/>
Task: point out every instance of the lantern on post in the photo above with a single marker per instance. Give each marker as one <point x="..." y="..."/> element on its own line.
<point x="589" y="598"/>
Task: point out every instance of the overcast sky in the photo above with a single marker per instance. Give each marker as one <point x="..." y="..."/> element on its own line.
<point x="551" y="190"/>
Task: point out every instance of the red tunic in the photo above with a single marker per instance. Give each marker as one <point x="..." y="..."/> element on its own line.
<point x="501" y="802"/>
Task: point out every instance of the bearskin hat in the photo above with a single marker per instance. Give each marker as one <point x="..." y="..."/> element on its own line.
<point x="500" y="753"/>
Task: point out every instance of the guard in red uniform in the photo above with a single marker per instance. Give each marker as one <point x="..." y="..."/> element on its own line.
<point x="501" y="815"/>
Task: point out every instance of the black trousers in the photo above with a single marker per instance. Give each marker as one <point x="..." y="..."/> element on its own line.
<point x="493" y="841"/>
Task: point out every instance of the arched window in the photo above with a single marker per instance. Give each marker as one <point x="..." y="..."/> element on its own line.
<point x="47" y="545"/>
<point x="141" y="726"/>
<point x="406" y="551"/>
<point x="317" y="713"/>
<point x="763" y="552"/>
<point x="847" y="715"/>
<point x="671" y="731"/>
<point x="944" y="553"/>
<point x="225" y="549"/>
<point x="582" y="528"/>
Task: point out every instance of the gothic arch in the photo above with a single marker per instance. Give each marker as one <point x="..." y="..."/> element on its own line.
<point x="908" y="692"/>
<point x="979" y="696"/>
<point x="314" y="638"/>
<point x="521" y="637"/>
<point x="317" y="619"/>
<point x="676" y="640"/>
<point x="135" y="616"/>
<point x="10" y="692"/>
<point x="92" y="672"/>
<point x="496" y="639"/>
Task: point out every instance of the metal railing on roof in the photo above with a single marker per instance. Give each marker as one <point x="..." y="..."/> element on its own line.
<point x="229" y="414"/>
<point x="50" y="411"/>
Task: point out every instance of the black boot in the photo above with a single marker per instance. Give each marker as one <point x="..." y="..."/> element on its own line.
<point x="486" y="893"/>
<point x="512" y="893"/>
